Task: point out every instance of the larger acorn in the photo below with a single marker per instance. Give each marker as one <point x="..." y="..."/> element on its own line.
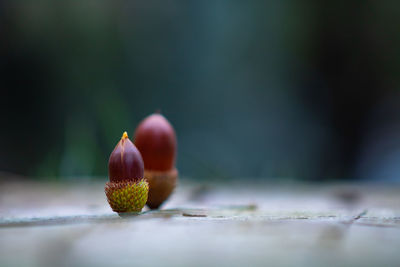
<point x="127" y="190"/>
<point x="156" y="140"/>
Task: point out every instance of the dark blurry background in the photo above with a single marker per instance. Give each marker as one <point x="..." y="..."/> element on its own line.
<point x="262" y="89"/>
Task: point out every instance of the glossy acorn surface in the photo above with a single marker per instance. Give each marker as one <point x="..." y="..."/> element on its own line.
<point x="125" y="163"/>
<point x="156" y="140"/>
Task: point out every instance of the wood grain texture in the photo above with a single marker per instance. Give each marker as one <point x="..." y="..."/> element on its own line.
<point x="44" y="224"/>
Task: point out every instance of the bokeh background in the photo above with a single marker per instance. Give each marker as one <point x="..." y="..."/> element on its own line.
<point x="255" y="89"/>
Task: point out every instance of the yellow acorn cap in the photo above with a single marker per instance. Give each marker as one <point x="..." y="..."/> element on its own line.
<point x="127" y="196"/>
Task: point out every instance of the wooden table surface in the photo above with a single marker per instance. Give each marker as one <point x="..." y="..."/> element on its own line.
<point x="292" y="224"/>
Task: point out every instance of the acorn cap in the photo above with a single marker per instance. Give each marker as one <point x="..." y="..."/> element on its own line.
<point x="161" y="184"/>
<point x="156" y="140"/>
<point x="127" y="196"/>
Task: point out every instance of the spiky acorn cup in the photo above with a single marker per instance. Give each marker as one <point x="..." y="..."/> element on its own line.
<point x="156" y="140"/>
<point x="127" y="190"/>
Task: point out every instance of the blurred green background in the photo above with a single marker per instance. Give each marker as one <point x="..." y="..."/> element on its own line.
<point x="254" y="89"/>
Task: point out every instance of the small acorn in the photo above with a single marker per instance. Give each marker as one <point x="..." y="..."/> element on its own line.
<point x="156" y="140"/>
<point x="127" y="190"/>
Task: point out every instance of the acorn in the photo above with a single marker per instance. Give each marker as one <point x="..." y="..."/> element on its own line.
<point x="156" y="140"/>
<point x="127" y="190"/>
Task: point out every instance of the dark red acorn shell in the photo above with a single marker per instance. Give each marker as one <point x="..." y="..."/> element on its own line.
<point x="156" y="140"/>
<point x="126" y="162"/>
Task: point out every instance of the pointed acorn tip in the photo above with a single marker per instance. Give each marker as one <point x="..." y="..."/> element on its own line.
<point x="124" y="135"/>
